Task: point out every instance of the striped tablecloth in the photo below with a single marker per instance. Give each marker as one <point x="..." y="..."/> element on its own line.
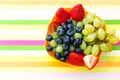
<point x="23" y="25"/>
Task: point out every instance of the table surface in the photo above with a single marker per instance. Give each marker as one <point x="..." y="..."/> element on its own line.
<point x="23" y="24"/>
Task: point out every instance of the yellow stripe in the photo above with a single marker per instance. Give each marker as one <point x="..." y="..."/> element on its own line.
<point x="48" y="59"/>
<point x="26" y="58"/>
<point x="61" y="2"/>
<point x="58" y="69"/>
<point x="44" y="27"/>
<point x="55" y="7"/>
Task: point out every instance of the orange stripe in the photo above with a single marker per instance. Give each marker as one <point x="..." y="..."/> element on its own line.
<point x="61" y="2"/>
<point x="52" y="64"/>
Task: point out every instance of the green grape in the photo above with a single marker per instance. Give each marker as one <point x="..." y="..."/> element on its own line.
<point x="54" y="35"/>
<point x="108" y="37"/>
<point x="84" y="21"/>
<point x="101" y="34"/>
<point x="103" y="47"/>
<point x="80" y="24"/>
<point x="77" y="35"/>
<point x="58" y="27"/>
<point x="109" y="47"/>
<point x="96" y="22"/>
<point x="111" y="32"/>
<point x="92" y="43"/>
<point x="59" y="49"/>
<point x="71" y="48"/>
<point x="83" y="45"/>
<point x="90" y="37"/>
<point x="95" y="49"/>
<point x="90" y="17"/>
<point x="89" y="28"/>
<point x="102" y="24"/>
<point x="84" y="32"/>
<point x="74" y="22"/>
<point x="114" y="40"/>
<point x="53" y="43"/>
<point x="88" y="50"/>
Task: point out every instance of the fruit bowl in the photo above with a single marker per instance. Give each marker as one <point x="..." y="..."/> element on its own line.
<point x="81" y="56"/>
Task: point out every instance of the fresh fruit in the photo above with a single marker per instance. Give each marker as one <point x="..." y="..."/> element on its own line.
<point x="101" y="34"/>
<point x="53" y="43"/>
<point x="83" y="45"/>
<point x="54" y="35"/>
<point x="49" y="48"/>
<point x="77" y="35"/>
<point x="59" y="40"/>
<point x="75" y="58"/>
<point x="74" y="33"/>
<point x="77" y="12"/>
<point x="61" y="15"/>
<point x="95" y="49"/>
<point x="48" y="37"/>
<point x="96" y="22"/>
<point x="59" y="49"/>
<point x="60" y="31"/>
<point x="63" y="59"/>
<point x="90" y="61"/>
<point x="88" y="50"/>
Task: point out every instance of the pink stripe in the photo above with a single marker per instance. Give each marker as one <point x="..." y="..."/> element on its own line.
<point x="28" y="42"/>
<point x="21" y="42"/>
<point x="117" y="43"/>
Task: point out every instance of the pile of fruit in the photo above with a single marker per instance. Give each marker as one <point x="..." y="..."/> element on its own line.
<point x="78" y="37"/>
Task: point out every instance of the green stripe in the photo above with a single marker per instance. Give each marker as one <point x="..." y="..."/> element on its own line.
<point x="116" y="47"/>
<point x="8" y="47"/>
<point x="24" y="21"/>
<point x="22" y="48"/>
<point x="45" y="21"/>
<point x="110" y="58"/>
<point x="112" y="21"/>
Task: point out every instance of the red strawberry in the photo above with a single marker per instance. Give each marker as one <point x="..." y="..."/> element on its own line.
<point x="90" y="61"/>
<point x="61" y="15"/>
<point x="77" y="12"/>
<point x="75" y="58"/>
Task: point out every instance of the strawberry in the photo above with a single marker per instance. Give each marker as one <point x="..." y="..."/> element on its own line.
<point x="90" y="61"/>
<point x="61" y="15"/>
<point x="75" y="58"/>
<point x="77" y="12"/>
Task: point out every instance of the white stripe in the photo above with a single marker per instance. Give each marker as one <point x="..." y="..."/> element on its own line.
<point x="32" y="32"/>
<point x="43" y="53"/>
<point x="23" y="53"/>
<point x="47" y="14"/>
<point x="113" y="53"/>
<point x="22" y="32"/>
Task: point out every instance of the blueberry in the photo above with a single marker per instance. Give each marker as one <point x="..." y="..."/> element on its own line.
<point x="59" y="40"/>
<point x="65" y="53"/>
<point x="70" y="32"/>
<point x="60" y="32"/>
<point x="75" y="44"/>
<point x="48" y="37"/>
<point x="78" y="29"/>
<point x="65" y="27"/>
<point x="63" y="59"/>
<point x="78" y="50"/>
<point x="65" y="46"/>
<point x="71" y="39"/>
<point x="63" y="24"/>
<point x="66" y="39"/>
<point x="57" y="55"/>
<point x="70" y="26"/>
<point x="78" y="41"/>
<point x="69" y="21"/>
<point x="49" y="48"/>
